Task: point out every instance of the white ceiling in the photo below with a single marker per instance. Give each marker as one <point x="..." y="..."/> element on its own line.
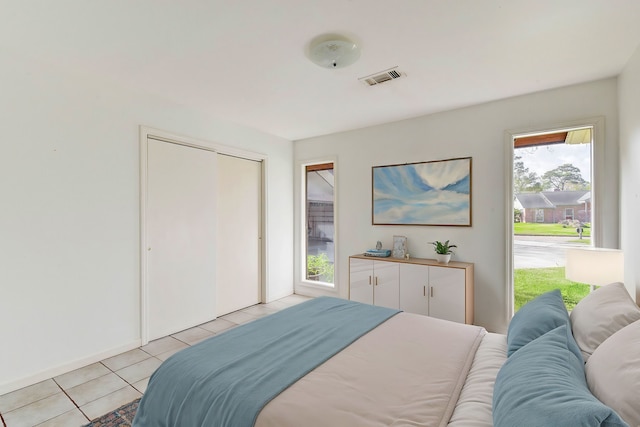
<point x="244" y="61"/>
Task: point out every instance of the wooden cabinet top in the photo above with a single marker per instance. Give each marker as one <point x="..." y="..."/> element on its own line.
<point x="420" y="261"/>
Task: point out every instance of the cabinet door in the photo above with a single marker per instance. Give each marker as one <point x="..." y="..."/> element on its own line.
<point x="386" y="292"/>
<point x="447" y="298"/>
<point x="414" y="281"/>
<point x="361" y="280"/>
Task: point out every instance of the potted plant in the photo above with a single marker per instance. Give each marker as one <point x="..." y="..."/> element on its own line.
<point x="443" y="251"/>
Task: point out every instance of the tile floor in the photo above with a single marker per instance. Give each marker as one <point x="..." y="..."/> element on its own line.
<point x="75" y="398"/>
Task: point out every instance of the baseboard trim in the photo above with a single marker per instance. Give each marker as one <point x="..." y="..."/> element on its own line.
<point x="14" y="385"/>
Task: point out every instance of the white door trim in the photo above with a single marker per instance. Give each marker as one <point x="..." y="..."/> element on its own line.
<point x="144" y="134"/>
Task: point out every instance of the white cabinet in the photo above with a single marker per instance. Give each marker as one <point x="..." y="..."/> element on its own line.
<point x="374" y="282"/>
<point x="414" y="295"/>
<point x="447" y="294"/>
<point x="416" y="285"/>
<point x="433" y="291"/>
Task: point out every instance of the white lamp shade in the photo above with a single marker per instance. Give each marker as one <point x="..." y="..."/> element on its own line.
<point x="595" y="266"/>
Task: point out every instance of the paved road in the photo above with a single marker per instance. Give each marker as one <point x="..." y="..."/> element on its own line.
<point x="541" y="251"/>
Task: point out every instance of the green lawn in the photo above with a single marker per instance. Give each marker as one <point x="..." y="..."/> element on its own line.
<point x="531" y="282"/>
<point x="535" y="229"/>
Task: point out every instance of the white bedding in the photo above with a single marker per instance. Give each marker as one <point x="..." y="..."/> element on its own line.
<point x="474" y="405"/>
<point x="409" y="371"/>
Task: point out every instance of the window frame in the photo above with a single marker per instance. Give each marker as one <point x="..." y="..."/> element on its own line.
<point x="302" y="285"/>
<point x="598" y="183"/>
<point x="307" y="205"/>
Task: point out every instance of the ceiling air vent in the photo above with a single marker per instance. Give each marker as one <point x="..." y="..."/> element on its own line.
<point x="381" y="77"/>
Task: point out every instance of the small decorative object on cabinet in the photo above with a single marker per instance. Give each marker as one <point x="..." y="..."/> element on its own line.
<point x="443" y="251"/>
<point x="399" y="246"/>
<point x="414" y="285"/>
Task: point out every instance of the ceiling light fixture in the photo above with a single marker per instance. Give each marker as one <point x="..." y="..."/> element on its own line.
<point x="333" y="51"/>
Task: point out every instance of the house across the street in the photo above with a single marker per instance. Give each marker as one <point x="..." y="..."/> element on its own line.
<point x="555" y="206"/>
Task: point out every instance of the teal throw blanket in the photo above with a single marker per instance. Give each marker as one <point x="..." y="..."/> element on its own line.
<point x="227" y="379"/>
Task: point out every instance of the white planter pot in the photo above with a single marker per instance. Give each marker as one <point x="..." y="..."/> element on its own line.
<point x="443" y="259"/>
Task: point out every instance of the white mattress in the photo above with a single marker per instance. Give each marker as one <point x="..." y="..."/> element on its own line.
<point x="474" y="406"/>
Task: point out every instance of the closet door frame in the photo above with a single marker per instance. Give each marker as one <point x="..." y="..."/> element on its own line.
<point x="160" y="135"/>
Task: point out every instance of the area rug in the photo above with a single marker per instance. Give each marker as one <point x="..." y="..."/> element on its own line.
<point x="121" y="417"/>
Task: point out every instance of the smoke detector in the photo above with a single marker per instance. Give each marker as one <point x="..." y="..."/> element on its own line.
<point x="382" y="77"/>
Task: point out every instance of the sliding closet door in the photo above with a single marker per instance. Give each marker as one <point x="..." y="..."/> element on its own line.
<point x="238" y="283"/>
<point x="181" y="237"/>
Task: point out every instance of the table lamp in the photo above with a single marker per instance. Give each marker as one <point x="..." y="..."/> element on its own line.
<point x="594" y="266"/>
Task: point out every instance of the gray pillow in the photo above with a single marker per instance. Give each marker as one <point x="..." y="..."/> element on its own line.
<point x="613" y="373"/>
<point x="601" y="314"/>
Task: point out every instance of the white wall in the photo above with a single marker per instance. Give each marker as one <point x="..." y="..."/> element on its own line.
<point x="629" y="107"/>
<point x="69" y="223"/>
<point x="476" y="131"/>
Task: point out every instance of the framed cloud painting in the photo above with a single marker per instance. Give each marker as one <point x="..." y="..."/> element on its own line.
<point x="426" y="193"/>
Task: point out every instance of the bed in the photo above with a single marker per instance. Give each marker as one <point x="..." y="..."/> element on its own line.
<point x="332" y="362"/>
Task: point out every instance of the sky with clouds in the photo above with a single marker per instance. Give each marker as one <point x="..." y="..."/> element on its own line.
<point x="545" y="158"/>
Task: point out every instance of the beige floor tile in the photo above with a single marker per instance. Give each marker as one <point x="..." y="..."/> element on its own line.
<point x="125" y="359"/>
<point x="218" y="325"/>
<point x="239" y="317"/>
<point x="73" y="418"/>
<point x="167" y="354"/>
<point x="141" y="385"/>
<point x="161" y="345"/>
<point x="40" y="411"/>
<point x="82" y="375"/>
<point x="259" y="310"/>
<point x="96" y="388"/>
<point x="193" y="335"/>
<point x="110" y="402"/>
<point x="294" y="299"/>
<point x="277" y="305"/>
<point x="256" y="316"/>
<point x="140" y="370"/>
<point x="27" y="395"/>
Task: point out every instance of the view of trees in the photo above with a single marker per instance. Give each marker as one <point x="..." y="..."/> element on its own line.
<point x="563" y="178"/>
<point x="524" y="180"/>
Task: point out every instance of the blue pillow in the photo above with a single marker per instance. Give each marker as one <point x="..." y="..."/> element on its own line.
<point x="536" y="318"/>
<point x="543" y="384"/>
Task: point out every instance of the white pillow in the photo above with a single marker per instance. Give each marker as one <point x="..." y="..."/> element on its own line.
<point x="613" y="373"/>
<point x="601" y="314"/>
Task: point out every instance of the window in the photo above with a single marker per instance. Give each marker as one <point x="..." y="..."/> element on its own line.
<point x="552" y="175"/>
<point x="568" y="214"/>
<point x="319" y="220"/>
